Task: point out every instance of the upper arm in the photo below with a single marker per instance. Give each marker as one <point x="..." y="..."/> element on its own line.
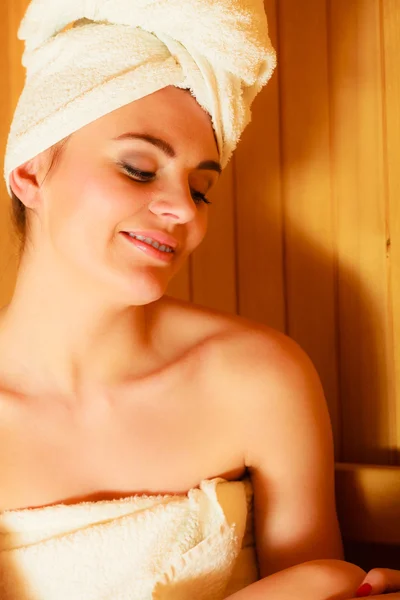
<point x="288" y="450"/>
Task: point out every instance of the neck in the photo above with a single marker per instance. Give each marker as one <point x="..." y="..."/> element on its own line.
<point x="56" y="337"/>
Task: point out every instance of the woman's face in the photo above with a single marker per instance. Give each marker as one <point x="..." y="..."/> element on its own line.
<point x="90" y="197"/>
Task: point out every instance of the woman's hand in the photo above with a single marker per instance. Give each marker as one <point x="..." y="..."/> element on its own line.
<point x="379" y="581"/>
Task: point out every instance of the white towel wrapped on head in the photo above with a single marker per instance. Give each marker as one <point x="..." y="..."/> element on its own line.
<point x="86" y="58"/>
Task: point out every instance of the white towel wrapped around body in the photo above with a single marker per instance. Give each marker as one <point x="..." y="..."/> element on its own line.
<point x="166" y="547"/>
<point x="86" y="58"/>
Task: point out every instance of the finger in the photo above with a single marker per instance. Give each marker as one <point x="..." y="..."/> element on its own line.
<point x="383" y="580"/>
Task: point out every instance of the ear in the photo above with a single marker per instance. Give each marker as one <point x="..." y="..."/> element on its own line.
<point x="24" y="182"/>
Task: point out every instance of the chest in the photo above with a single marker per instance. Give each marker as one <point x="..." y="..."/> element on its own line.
<point x="159" y="441"/>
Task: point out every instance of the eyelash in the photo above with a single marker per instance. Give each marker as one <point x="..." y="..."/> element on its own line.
<point x="146" y="175"/>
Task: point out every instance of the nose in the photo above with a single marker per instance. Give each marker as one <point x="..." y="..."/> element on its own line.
<point x="177" y="204"/>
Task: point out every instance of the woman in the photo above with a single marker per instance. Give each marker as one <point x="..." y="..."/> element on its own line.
<point x="99" y="367"/>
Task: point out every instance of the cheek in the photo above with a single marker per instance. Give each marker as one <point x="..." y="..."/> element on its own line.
<point x="94" y="201"/>
<point x="84" y="218"/>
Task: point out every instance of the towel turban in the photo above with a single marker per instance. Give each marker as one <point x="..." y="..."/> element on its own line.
<point x="86" y="58"/>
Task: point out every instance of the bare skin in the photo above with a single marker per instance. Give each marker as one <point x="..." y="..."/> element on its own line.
<point x="53" y="451"/>
<point x="99" y="369"/>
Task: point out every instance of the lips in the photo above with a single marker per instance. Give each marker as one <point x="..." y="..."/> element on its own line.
<point x="166" y="256"/>
<point x="150" y="242"/>
<point x="157" y="236"/>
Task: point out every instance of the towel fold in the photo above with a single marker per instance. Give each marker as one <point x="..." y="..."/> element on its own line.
<point x="163" y="547"/>
<point x="86" y="58"/>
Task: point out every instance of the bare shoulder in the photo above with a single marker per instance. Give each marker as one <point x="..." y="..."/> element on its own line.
<point x="271" y="384"/>
<point x="194" y="322"/>
<point x="238" y="347"/>
<point x="263" y="379"/>
<point x="250" y="341"/>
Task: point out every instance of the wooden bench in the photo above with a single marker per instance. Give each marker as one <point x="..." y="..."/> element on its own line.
<point x="368" y="505"/>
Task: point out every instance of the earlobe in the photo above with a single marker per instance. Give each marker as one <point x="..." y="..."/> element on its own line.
<point x="24" y="184"/>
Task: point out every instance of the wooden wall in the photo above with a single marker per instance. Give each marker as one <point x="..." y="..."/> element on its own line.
<point x="304" y="228"/>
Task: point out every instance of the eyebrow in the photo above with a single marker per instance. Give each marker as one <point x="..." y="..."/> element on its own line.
<point x="211" y="165"/>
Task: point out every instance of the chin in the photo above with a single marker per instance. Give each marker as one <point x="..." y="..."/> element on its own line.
<point x="143" y="289"/>
<point x="131" y="285"/>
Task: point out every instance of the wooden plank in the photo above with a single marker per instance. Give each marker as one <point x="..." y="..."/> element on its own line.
<point x="8" y="58"/>
<point x="259" y="206"/>
<point x="367" y="395"/>
<point x="310" y="266"/>
<point x="5" y="77"/>
<point x="213" y="278"/>
<point x="368" y="502"/>
<point x="391" y="51"/>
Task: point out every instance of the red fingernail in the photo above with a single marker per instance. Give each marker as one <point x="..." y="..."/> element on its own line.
<point x="364" y="590"/>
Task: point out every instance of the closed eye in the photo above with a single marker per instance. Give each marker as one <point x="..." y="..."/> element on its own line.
<point x="147" y="176"/>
